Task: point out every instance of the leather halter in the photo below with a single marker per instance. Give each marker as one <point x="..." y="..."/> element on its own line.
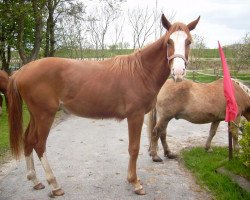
<point x="178" y="56"/>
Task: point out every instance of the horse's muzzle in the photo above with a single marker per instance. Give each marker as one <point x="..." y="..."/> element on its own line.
<point x="178" y="74"/>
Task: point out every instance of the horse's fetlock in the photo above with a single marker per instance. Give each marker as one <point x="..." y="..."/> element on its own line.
<point x="51" y="180"/>
<point x="31" y="175"/>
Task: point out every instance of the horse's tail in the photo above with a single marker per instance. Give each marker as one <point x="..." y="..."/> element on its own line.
<point x="152" y="118"/>
<point x="15" y="118"/>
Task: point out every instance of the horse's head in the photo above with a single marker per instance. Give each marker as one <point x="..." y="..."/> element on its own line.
<point x="178" y="40"/>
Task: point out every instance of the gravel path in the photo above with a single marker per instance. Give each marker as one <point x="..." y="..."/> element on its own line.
<point x="90" y="158"/>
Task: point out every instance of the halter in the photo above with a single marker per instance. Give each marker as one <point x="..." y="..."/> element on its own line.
<point x="178" y="56"/>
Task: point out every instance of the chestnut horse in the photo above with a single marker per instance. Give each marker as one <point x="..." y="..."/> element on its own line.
<point x="198" y="103"/>
<point x="120" y="87"/>
<point x="4" y="79"/>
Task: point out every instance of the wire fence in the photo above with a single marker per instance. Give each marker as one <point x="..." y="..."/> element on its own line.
<point x="210" y="75"/>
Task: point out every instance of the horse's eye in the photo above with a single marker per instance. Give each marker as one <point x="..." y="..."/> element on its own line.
<point x="170" y="42"/>
<point x="188" y="42"/>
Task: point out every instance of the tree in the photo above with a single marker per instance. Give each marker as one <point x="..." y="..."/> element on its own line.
<point x="51" y="6"/>
<point x="241" y="53"/>
<point x="60" y="10"/>
<point x="71" y="37"/>
<point x="198" y="46"/>
<point x="142" y="22"/>
<point x="116" y="34"/>
<point x="99" y="24"/>
<point x="29" y="19"/>
<point x="7" y="27"/>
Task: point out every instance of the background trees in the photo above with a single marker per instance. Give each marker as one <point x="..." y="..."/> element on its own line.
<point x="30" y="29"/>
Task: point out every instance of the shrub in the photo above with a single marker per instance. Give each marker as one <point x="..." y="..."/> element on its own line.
<point x="245" y="144"/>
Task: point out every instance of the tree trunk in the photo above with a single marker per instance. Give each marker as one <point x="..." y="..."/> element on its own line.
<point x="50" y="29"/>
<point x="37" y="14"/>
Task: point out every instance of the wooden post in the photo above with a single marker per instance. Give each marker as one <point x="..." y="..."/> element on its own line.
<point x="230" y="143"/>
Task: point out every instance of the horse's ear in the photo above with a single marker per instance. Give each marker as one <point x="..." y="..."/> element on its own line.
<point x="165" y="23"/>
<point x="193" y="24"/>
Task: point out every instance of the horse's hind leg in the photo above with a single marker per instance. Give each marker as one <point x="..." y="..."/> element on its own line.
<point x="167" y="151"/>
<point x="44" y="122"/>
<point x="159" y="129"/>
<point x="213" y="129"/>
<point x="29" y="142"/>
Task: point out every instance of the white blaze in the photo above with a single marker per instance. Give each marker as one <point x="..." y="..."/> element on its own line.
<point x="179" y="38"/>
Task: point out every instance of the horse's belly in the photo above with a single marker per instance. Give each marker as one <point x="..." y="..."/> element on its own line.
<point x="199" y="118"/>
<point x="94" y="110"/>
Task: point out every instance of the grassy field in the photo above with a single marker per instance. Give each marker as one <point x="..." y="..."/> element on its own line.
<point x="4" y="130"/>
<point x="106" y="53"/>
<point x="204" y="165"/>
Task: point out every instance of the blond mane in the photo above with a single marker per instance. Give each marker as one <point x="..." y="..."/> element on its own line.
<point x="242" y="86"/>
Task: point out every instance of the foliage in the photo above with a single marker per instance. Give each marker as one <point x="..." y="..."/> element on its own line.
<point x="245" y="144"/>
<point x="241" y="52"/>
<point x="204" y="164"/>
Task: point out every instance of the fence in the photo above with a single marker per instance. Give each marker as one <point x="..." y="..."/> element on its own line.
<point x="210" y="75"/>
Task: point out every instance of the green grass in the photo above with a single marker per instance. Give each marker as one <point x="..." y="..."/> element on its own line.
<point x="203" y="165"/>
<point x="4" y="130"/>
<point x="206" y="76"/>
<point x="4" y="136"/>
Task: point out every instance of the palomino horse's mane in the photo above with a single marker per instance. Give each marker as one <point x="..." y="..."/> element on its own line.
<point x="242" y="86"/>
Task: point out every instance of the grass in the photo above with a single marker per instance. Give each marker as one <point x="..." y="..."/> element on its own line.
<point x="4" y="130"/>
<point x="207" y="76"/>
<point x="203" y="165"/>
<point x="4" y="136"/>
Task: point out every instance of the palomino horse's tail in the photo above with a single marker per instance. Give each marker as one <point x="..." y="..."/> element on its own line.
<point x="152" y="117"/>
<point x="15" y="118"/>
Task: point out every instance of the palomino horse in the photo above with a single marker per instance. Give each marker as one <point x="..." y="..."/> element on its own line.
<point x="197" y="103"/>
<point x="4" y="79"/>
<point x="120" y="87"/>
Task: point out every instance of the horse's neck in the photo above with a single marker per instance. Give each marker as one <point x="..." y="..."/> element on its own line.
<point x="154" y="61"/>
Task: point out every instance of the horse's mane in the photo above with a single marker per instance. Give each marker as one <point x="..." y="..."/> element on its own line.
<point x="242" y="86"/>
<point x="127" y="64"/>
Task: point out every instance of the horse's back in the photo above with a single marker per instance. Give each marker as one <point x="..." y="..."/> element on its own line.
<point x="195" y="102"/>
<point x="83" y="88"/>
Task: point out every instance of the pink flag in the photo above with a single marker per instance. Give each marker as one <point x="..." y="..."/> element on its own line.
<point x="231" y="107"/>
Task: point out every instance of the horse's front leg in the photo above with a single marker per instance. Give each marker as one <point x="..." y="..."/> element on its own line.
<point x="158" y="131"/>
<point x="135" y="122"/>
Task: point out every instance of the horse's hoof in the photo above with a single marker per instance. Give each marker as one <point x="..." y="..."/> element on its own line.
<point x="39" y="186"/>
<point x="58" y="192"/>
<point x="156" y="159"/>
<point x="171" y="155"/>
<point x="209" y="150"/>
<point x="140" y="191"/>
